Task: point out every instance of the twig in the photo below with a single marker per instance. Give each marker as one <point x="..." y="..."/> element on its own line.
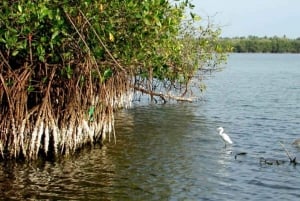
<point x="292" y="160"/>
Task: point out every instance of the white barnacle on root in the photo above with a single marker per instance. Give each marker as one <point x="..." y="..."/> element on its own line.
<point x="22" y="130"/>
<point x="88" y="129"/>
<point x="104" y="132"/>
<point x="69" y="135"/>
<point x="39" y="137"/>
<point x="46" y="139"/>
<point x="33" y="140"/>
<point x="55" y="134"/>
<point x="79" y="135"/>
<point x="63" y="142"/>
<point x="91" y="132"/>
<point x="1" y="149"/>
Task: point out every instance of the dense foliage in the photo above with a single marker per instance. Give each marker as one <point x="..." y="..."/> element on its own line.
<point x="67" y="65"/>
<point x="263" y="44"/>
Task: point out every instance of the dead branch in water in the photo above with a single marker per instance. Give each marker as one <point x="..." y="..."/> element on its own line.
<point x="268" y="161"/>
<point x="292" y="160"/>
<point x="164" y="97"/>
<point x="239" y="154"/>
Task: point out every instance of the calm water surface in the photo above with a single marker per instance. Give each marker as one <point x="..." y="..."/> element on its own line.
<point x="173" y="152"/>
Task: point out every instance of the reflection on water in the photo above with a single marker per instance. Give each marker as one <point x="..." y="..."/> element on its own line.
<point x="173" y="152"/>
<point x="72" y="178"/>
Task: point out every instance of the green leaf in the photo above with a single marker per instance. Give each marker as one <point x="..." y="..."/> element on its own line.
<point x="91" y="113"/>
<point x="69" y="71"/>
<point x="157" y="21"/>
<point x="15" y="53"/>
<point x="44" y="79"/>
<point x="54" y="34"/>
<point x="30" y="88"/>
<point x="107" y="73"/>
<point x="41" y="52"/>
<point x="20" y="8"/>
<point x="147" y="21"/>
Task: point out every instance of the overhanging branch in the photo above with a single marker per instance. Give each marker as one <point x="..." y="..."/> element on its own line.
<point x="164" y="97"/>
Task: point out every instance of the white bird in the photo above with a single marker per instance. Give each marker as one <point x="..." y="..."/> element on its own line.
<point x="224" y="136"/>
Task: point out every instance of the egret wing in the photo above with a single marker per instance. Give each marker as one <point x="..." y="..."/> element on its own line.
<point x="227" y="138"/>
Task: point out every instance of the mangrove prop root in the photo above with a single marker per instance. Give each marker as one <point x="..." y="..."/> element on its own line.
<point x="57" y="117"/>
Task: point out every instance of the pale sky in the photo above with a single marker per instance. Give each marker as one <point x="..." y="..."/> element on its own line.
<point x="253" y="17"/>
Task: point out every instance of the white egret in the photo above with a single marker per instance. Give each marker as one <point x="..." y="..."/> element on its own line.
<point x="224" y="136"/>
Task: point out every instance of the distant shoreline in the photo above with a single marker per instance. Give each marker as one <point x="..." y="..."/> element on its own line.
<point x="254" y="44"/>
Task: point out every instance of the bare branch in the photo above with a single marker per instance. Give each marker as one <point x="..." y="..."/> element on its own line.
<point x="164" y="97"/>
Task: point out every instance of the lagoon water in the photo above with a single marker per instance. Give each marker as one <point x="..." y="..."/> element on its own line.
<point x="173" y="151"/>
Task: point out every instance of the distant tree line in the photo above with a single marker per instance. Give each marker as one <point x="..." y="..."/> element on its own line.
<point x="263" y="44"/>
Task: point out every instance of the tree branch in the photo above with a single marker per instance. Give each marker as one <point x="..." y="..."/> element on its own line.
<point x="164" y="97"/>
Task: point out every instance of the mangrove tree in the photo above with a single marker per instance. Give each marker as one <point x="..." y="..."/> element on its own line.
<point x="66" y="66"/>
